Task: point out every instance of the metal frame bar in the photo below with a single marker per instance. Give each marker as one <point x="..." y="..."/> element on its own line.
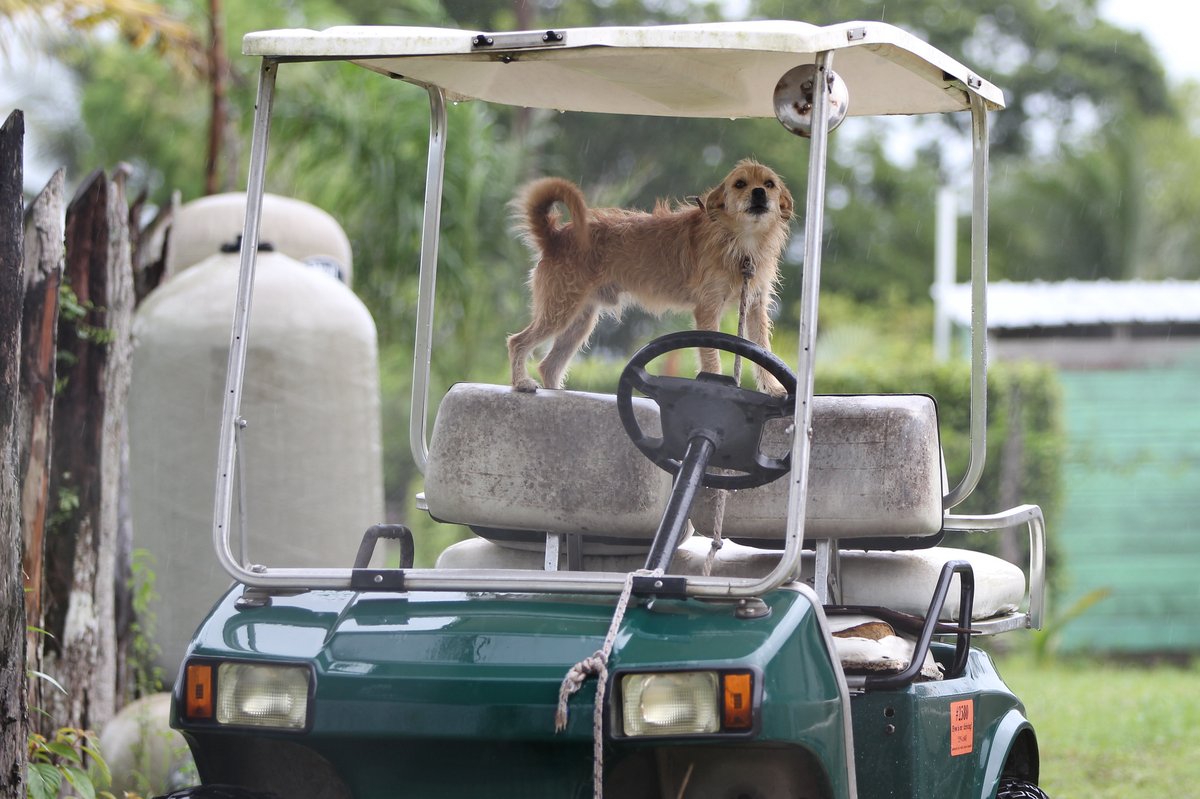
<point x="1031" y="516"/>
<point x="966" y="594"/>
<point x="827" y="576"/>
<point x="418" y="421"/>
<point x="979" y="272"/>
<point x="231" y="419"/>
<point x="258" y="576"/>
<point x="675" y="526"/>
<point x="814" y="224"/>
<point x="550" y="562"/>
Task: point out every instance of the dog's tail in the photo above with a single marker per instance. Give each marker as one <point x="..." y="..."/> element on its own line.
<point x="540" y="222"/>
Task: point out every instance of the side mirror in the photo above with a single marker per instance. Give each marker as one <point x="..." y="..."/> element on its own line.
<point x="794" y="99"/>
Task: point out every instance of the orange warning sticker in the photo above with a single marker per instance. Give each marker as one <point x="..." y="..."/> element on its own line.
<point x="962" y="727"/>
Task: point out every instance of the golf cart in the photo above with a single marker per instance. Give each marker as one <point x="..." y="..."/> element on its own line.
<point x="587" y="638"/>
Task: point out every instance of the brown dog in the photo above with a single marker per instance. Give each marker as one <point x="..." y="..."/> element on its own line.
<point x="687" y="258"/>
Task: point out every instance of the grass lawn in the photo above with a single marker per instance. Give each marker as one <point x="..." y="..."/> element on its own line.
<point x="1108" y="730"/>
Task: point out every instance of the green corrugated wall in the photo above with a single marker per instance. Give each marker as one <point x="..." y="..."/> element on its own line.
<point x="1130" y="519"/>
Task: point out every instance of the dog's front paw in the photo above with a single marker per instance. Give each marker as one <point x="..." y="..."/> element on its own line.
<point x="769" y="385"/>
<point x="527" y="385"/>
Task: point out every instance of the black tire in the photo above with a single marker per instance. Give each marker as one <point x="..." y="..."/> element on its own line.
<point x="1015" y="788"/>
<point x="217" y="792"/>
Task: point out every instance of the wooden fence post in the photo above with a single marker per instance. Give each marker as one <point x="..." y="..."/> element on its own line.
<point x="35" y="403"/>
<point x="89" y="422"/>
<point x="13" y="721"/>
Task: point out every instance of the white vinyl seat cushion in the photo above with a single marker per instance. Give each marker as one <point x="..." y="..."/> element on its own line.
<point x="902" y="581"/>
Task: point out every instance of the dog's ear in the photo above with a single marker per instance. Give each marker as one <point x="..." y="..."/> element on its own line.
<point x="714" y="200"/>
<point x="787" y="206"/>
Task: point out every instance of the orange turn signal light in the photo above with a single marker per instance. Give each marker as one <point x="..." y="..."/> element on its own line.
<point x="198" y="691"/>
<point x="738" y="705"/>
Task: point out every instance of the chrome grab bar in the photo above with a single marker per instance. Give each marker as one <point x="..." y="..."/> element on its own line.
<point x="1031" y="516"/>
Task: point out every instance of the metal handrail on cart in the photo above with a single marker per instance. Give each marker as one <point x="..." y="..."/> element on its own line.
<point x="282" y="578"/>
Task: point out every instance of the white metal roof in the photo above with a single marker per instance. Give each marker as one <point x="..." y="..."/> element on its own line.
<point x="1079" y="302"/>
<point x="706" y="70"/>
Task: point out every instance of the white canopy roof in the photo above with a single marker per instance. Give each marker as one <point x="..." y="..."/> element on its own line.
<point x="706" y="70"/>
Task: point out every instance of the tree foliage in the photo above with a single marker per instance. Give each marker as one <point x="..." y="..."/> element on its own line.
<point x="1069" y="77"/>
<point x="1168" y="184"/>
<point x="1059" y="63"/>
<point x="140" y="24"/>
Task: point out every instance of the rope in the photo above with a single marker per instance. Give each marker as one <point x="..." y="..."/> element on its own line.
<point x="687" y="777"/>
<point x="718" y="523"/>
<point x="722" y="494"/>
<point x="597" y="664"/>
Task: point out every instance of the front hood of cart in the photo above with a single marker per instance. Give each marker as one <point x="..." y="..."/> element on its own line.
<point x="457" y="665"/>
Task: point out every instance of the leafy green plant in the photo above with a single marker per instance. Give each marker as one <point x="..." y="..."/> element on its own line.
<point x="71" y="756"/>
<point x="75" y="313"/>
<point x="144" y="651"/>
<point x="72" y="310"/>
<point x="162" y="761"/>
<point x="66" y="505"/>
<point x="1044" y="642"/>
<point x="31" y="674"/>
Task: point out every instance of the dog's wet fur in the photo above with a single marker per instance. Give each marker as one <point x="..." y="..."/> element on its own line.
<point x="688" y="257"/>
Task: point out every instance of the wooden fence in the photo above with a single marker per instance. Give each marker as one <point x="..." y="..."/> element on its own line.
<point x="67" y="295"/>
<point x="12" y="613"/>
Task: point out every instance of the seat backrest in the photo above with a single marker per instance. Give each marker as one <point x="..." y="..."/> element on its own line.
<point x="504" y="461"/>
<point x="875" y="472"/>
<point x="552" y="461"/>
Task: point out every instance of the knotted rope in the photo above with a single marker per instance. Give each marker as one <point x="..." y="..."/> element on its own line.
<point x="597" y="664"/>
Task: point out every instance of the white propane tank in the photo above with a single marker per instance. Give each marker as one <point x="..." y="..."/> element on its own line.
<point x="310" y="453"/>
<point x="291" y="226"/>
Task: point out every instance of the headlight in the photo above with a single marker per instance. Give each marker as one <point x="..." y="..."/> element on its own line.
<point x="256" y="695"/>
<point x="686" y="703"/>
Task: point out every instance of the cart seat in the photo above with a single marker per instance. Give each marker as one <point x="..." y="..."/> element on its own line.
<point x="902" y="581"/>
<point x="515" y="466"/>
<point x="876" y="475"/>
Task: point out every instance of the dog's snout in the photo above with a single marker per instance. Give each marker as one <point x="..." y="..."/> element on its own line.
<point x="759" y="204"/>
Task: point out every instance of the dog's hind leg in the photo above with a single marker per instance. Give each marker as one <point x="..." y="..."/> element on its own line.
<point x="554" y="366"/>
<point x="551" y="319"/>
<point x="520" y="345"/>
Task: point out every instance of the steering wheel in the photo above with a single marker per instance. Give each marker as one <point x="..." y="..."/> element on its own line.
<point x="711" y="407"/>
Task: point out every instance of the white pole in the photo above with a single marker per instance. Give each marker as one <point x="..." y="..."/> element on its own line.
<point x="945" y="239"/>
